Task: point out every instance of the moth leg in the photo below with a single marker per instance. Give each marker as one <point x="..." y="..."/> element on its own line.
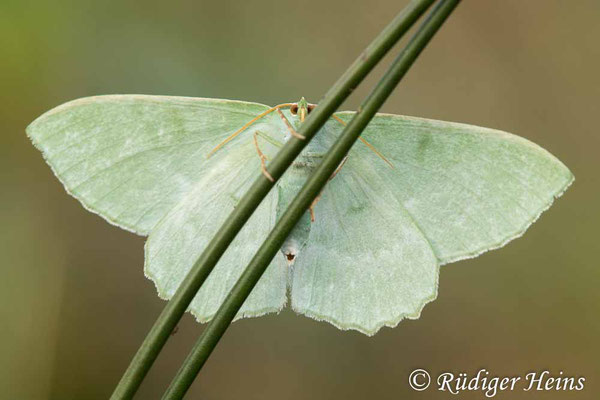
<point x="289" y="126"/>
<point x="311" y="209"/>
<point x="369" y="145"/>
<point x="263" y="159"/>
<point x="338" y="168"/>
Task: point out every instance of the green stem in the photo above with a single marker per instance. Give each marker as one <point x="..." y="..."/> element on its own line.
<point x="173" y="311"/>
<point x="214" y="331"/>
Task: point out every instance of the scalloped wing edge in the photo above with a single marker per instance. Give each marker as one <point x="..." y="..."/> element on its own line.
<point x="201" y="319"/>
<point x="389" y="323"/>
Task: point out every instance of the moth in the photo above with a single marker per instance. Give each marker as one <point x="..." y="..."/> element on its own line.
<point x="412" y="195"/>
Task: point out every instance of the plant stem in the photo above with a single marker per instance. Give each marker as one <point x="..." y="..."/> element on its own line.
<point x="214" y="331"/>
<point x="173" y="311"/>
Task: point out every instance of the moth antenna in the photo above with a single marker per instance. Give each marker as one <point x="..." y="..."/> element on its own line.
<point x="243" y="128"/>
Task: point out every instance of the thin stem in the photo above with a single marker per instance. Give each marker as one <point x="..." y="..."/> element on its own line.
<point x="173" y="311"/>
<point x="215" y="330"/>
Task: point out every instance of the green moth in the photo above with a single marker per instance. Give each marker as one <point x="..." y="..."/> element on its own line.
<point x="413" y="195"/>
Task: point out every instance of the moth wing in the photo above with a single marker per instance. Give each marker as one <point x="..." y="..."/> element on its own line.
<point x="180" y="237"/>
<point x="469" y="189"/>
<point x="366" y="263"/>
<point x="130" y="158"/>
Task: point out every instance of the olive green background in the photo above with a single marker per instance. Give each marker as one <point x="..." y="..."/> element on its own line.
<point x="74" y="304"/>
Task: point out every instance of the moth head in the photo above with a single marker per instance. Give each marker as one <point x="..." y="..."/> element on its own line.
<point x="302" y="109"/>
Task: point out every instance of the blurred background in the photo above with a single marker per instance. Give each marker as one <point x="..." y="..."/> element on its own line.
<point x="75" y="305"/>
